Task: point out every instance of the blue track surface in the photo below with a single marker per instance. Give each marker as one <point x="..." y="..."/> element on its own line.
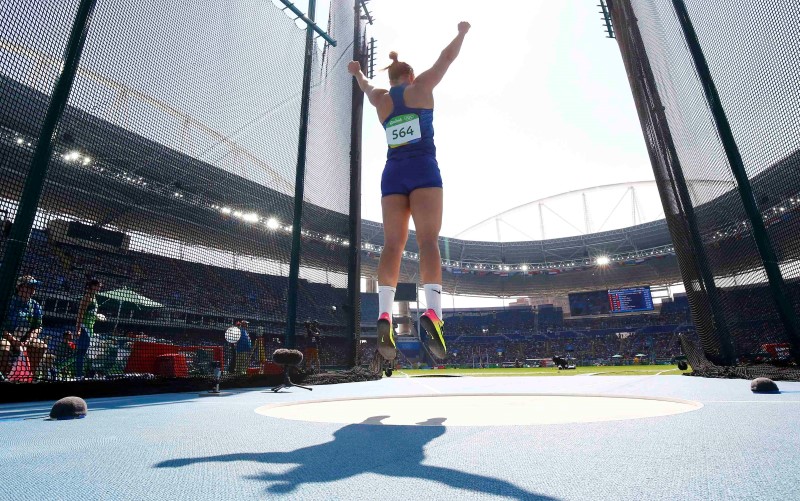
<point x="167" y="447"/>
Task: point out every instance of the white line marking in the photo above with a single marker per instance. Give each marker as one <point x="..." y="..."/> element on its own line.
<point x="417" y="380"/>
<point x="751" y="402"/>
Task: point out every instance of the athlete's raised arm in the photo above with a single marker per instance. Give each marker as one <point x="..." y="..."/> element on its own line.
<point x="430" y="78"/>
<point x="373" y="94"/>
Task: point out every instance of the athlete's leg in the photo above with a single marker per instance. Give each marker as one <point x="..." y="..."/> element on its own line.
<point x="426" y="209"/>
<point x="396" y="212"/>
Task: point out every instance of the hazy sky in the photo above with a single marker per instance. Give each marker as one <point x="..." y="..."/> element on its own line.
<point x="537" y="103"/>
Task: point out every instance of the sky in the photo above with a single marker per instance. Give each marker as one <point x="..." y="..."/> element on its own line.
<point x="537" y="103"/>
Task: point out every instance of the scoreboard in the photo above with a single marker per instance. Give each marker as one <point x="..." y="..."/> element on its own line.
<point x="604" y="302"/>
<point x="630" y="300"/>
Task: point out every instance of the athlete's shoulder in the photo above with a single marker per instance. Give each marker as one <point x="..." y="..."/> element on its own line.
<point x="417" y="96"/>
<point x="378" y="96"/>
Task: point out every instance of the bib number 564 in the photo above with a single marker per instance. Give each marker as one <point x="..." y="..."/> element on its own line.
<point x="398" y="134"/>
<point x="402" y="130"/>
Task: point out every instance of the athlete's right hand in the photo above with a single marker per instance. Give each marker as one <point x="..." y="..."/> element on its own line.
<point x="463" y="27"/>
<point x="353" y="67"/>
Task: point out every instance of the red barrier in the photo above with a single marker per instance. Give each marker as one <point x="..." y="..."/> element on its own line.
<point x="173" y="365"/>
<point x="144" y="355"/>
<point x="272" y="368"/>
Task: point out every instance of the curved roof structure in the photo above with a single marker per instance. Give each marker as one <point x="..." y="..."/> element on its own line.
<point x="640" y="254"/>
<point x="583" y="211"/>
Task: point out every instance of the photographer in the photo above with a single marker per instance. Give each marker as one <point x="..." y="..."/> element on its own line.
<point x="312" y="344"/>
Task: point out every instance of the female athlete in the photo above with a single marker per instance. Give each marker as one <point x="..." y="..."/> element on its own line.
<point x="411" y="185"/>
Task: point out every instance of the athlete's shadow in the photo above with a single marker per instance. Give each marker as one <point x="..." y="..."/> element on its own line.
<point x="394" y="451"/>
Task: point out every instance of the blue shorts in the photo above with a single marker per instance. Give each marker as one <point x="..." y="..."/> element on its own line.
<point x="401" y="177"/>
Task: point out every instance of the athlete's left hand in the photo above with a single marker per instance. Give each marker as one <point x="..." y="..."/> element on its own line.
<point x="353" y="67"/>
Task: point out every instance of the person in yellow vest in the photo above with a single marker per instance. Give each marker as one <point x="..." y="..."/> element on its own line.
<point x="84" y="323"/>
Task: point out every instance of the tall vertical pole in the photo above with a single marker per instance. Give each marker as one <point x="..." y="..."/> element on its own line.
<point x="371" y="57"/>
<point x="299" y="185"/>
<point x="354" y="251"/>
<point x="34" y="184"/>
<point x="760" y="235"/>
<point x="606" y="19"/>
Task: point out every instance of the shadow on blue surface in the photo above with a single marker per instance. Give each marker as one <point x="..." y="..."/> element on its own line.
<point x="393" y="451"/>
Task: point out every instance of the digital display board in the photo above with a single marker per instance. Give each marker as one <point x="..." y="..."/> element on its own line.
<point x="589" y="303"/>
<point x="630" y="300"/>
<point x="605" y="302"/>
<point x="95" y="234"/>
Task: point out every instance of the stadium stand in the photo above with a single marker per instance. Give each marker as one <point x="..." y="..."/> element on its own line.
<point x="199" y="301"/>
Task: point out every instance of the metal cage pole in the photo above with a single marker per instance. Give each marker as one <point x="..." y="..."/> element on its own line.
<point x="290" y="339"/>
<point x="34" y="183"/>
<point x="309" y="20"/>
<point x="354" y="238"/>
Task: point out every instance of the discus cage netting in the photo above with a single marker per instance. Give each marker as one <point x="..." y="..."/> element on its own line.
<point x="744" y="302"/>
<point x="172" y="182"/>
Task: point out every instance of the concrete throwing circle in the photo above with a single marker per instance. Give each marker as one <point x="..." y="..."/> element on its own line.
<point x="478" y="409"/>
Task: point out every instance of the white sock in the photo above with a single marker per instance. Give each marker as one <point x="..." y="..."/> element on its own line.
<point x="385" y="299"/>
<point x="433" y="298"/>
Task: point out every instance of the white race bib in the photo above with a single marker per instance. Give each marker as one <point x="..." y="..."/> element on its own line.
<point x="402" y="130"/>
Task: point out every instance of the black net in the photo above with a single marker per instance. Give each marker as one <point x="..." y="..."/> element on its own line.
<point x="162" y="240"/>
<point x="701" y="366"/>
<point x="322" y="292"/>
<point x="754" y="62"/>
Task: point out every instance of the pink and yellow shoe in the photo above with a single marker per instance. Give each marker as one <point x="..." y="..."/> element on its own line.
<point x="434" y="334"/>
<point x="386" y="345"/>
